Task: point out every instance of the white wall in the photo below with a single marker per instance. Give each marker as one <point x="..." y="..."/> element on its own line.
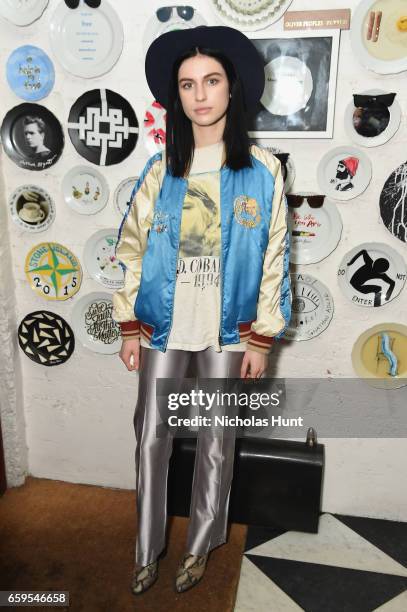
<point x="79" y="415"/>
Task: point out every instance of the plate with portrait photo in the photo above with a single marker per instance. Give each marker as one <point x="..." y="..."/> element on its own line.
<point x="122" y="194"/>
<point x="378" y="35"/>
<point x="103" y="127"/>
<point x="393" y="203"/>
<point x="100" y="259"/>
<point x="315" y="227"/>
<point x="85" y="190"/>
<point x="32" y="208"/>
<point x="32" y="136"/>
<point x="372" y="117"/>
<point x="93" y="323"/>
<point x="30" y="73"/>
<point x="344" y="173"/>
<point x="22" y="12"/>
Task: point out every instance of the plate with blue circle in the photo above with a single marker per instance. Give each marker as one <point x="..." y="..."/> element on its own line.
<point x="30" y="73"/>
<point x="312" y="308"/>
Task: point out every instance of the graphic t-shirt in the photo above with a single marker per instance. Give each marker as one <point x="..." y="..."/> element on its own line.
<point x="197" y="300"/>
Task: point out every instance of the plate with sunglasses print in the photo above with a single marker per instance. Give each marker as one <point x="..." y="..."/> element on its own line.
<point x="315" y="226"/>
<point x="312" y="308"/>
<point x="168" y="18"/>
<point x="372" y="274"/>
<point x="372" y="117"/>
<point x="378" y="35"/>
<point x="344" y="173"/>
<point x="286" y="159"/>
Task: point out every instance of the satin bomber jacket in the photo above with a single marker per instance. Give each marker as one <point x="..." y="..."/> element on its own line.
<point x="254" y="275"/>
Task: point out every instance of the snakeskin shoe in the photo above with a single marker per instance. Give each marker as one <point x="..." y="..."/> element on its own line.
<point x="144" y="577"/>
<point x="190" y="571"/>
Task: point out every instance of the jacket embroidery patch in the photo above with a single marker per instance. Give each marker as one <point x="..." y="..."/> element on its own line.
<point x="160" y="221"/>
<point x="247" y="211"/>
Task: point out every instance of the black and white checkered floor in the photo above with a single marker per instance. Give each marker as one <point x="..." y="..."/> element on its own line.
<point x="351" y="565"/>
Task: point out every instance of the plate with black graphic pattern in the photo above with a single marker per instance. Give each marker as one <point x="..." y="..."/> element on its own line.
<point x="103" y="127"/>
<point x="46" y="338"/>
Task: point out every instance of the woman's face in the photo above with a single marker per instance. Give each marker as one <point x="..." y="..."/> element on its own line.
<point x="203" y="84"/>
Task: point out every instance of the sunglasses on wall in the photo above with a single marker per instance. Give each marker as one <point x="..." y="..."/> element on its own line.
<point x="366" y="101"/>
<point x="295" y="200"/>
<point x="73" y="4"/>
<point x="185" y="12"/>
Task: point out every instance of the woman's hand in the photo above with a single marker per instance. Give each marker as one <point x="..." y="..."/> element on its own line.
<point x="130" y="353"/>
<point x="254" y="364"/>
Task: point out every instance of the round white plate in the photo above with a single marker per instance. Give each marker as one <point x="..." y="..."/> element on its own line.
<point x="32" y="208"/>
<point x="344" y="173"/>
<point x="312" y="308"/>
<point x="379" y="355"/>
<point x="85" y="190"/>
<point x="87" y="42"/>
<point x="122" y="194"/>
<point x="315" y="232"/>
<point x="100" y="259"/>
<point x="388" y="54"/>
<point x="289" y="86"/>
<point x="372" y="274"/>
<point x="155" y="27"/>
<point x="249" y="15"/>
<point x="93" y="324"/>
<point x="385" y="135"/>
<point x="22" y="12"/>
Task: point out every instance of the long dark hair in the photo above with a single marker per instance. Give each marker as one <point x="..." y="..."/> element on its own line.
<point x="179" y="135"/>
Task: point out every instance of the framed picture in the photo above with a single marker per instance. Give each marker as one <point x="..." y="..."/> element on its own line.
<point x="299" y="95"/>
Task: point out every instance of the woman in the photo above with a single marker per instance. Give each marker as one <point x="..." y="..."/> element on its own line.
<point x="204" y="248"/>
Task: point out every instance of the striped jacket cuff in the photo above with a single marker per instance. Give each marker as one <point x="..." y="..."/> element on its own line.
<point x="130" y="329"/>
<point x="260" y="344"/>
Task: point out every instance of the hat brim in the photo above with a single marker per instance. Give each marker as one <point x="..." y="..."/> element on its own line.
<point x="244" y="56"/>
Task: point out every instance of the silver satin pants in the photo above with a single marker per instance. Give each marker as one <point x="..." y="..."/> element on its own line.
<point x="213" y="469"/>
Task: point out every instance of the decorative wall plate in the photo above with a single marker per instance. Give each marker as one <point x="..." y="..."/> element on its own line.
<point x="100" y="259"/>
<point x="85" y="190"/>
<point x="378" y="35"/>
<point x="315" y="232"/>
<point x="22" y="12"/>
<point x="32" y="208"/>
<point x="32" y="136"/>
<point x="30" y="73"/>
<point x="46" y="338"/>
<point x="393" y="203"/>
<point x="93" y="323"/>
<point x="249" y="15"/>
<point x="372" y="126"/>
<point x="344" y="173"/>
<point x="168" y="18"/>
<point x="379" y="355"/>
<point x="372" y="274"/>
<point x="87" y="42"/>
<point x="103" y="127"/>
<point x="122" y="194"/>
<point x="312" y="308"/>
<point x="53" y="271"/>
<point x="154" y="127"/>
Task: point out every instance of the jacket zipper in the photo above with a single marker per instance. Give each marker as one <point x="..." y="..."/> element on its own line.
<point x="176" y="264"/>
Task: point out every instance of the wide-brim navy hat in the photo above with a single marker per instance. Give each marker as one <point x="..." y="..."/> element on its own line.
<point x="165" y="49"/>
